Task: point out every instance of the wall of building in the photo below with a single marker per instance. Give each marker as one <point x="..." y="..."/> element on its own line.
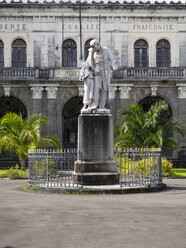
<point x="44" y="27"/>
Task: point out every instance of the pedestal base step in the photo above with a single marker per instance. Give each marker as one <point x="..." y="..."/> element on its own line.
<point x="103" y="178"/>
<point x="96" y="166"/>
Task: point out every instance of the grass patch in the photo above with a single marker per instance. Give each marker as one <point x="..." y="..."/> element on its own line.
<point x="36" y="189"/>
<point x="180" y="172"/>
<point x="68" y="191"/>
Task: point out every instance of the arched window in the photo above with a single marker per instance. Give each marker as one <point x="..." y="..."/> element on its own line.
<point x="163" y="54"/>
<point x="87" y="46"/>
<point x="19" y="53"/>
<point x="69" y="53"/>
<point x="141" y="54"/>
<point x="1" y="54"/>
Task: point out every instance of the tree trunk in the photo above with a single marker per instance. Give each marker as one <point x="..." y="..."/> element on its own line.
<point x="22" y="162"/>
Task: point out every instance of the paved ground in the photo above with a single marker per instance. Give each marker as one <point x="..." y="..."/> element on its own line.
<point x="149" y="220"/>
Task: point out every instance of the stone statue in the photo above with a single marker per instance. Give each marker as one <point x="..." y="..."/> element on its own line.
<point x="87" y="77"/>
<point x="99" y="59"/>
<point x="96" y="165"/>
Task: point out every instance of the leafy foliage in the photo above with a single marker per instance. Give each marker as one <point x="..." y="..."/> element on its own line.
<point x="167" y="168"/>
<point x="144" y="166"/>
<point x="14" y="173"/>
<point x="19" y="135"/>
<point x="139" y="129"/>
<point x="3" y="173"/>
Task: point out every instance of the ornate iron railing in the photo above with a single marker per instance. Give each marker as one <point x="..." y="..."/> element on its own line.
<point x="51" y="168"/>
<point x="55" y="169"/>
<point x="139" y="167"/>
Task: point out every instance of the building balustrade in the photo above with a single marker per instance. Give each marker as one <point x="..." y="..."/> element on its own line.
<point x="18" y="73"/>
<point x="25" y="73"/>
<point x="150" y="73"/>
<point x="178" y="73"/>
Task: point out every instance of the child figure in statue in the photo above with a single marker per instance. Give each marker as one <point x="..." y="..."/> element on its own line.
<point x="87" y="77"/>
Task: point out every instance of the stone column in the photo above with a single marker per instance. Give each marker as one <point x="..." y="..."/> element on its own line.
<point x="154" y="89"/>
<point x="113" y="101"/>
<point x="182" y="117"/>
<point x="80" y="90"/>
<point x="7" y="89"/>
<point x="37" y="98"/>
<point x="52" y="109"/>
<point x="125" y="90"/>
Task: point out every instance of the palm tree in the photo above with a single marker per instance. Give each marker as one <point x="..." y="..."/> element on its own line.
<point x="139" y="129"/>
<point x="19" y="135"/>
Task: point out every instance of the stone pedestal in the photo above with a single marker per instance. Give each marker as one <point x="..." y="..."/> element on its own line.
<point x="95" y="142"/>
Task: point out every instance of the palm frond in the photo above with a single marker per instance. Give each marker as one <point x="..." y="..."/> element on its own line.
<point x="145" y="129"/>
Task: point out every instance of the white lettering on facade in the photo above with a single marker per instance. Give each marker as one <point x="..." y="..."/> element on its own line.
<point x="11" y="26"/>
<point x="67" y="73"/>
<point x="143" y="27"/>
<point x="75" y="27"/>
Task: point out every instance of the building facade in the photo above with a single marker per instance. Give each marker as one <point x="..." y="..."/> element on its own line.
<point x="43" y="45"/>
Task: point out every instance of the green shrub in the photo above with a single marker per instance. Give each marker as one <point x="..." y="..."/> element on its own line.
<point x="138" y="167"/>
<point x="144" y="166"/>
<point x="15" y="173"/>
<point x="3" y="173"/>
<point x="167" y="168"/>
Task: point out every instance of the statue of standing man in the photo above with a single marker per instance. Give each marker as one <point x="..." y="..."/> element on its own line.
<point x="100" y="59"/>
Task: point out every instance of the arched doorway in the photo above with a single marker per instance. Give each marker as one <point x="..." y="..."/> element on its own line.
<point x="10" y="104"/>
<point x="165" y="116"/>
<point x="70" y="114"/>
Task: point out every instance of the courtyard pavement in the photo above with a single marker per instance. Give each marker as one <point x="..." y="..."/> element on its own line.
<point x="147" y="220"/>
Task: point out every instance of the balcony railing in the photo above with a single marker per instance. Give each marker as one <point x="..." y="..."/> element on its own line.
<point x="25" y="73"/>
<point x="21" y="73"/>
<point x="178" y="73"/>
<point x="150" y="73"/>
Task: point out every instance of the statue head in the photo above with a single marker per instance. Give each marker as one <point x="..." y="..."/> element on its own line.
<point x="95" y="45"/>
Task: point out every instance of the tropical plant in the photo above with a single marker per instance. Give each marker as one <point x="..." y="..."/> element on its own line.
<point x="139" y="129"/>
<point x="14" y="173"/>
<point x="167" y="168"/>
<point x="18" y="135"/>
